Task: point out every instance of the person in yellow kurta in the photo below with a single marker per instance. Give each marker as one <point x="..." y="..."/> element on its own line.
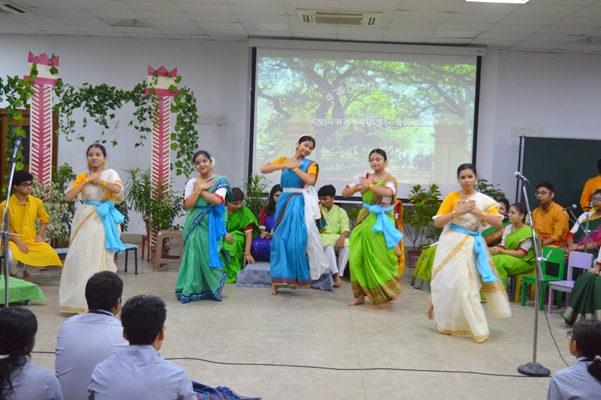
<point x="27" y="245"/>
<point x="589" y="187"/>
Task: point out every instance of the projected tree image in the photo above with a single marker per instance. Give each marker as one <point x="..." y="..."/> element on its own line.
<point x="353" y="106"/>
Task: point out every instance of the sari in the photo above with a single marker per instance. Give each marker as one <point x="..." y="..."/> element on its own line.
<point x="92" y="246"/>
<point x="201" y="275"/>
<point x="593" y="226"/>
<point x="509" y="265"/>
<point x="585" y="299"/>
<point x="297" y="256"/>
<point x="456" y="282"/>
<point x="372" y="261"/>
<point x="237" y="222"/>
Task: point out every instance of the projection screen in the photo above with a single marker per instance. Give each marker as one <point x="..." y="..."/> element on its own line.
<point x="419" y="108"/>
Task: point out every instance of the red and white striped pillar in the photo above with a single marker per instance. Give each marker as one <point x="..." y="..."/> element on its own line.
<point x="161" y="84"/>
<point x="40" y="117"/>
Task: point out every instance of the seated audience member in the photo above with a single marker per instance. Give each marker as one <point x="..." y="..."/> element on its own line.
<point x="583" y="379"/>
<point x="19" y="377"/>
<point x="241" y="227"/>
<point x="261" y="246"/>
<point x="84" y="340"/>
<point x="549" y="219"/>
<point x="335" y="236"/>
<point x="27" y="248"/>
<point x="492" y="235"/>
<point x="585" y="299"/>
<point x="514" y="255"/>
<point x="139" y="371"/>
<point x="591" y="222"/>
<point x="589" y="187"/>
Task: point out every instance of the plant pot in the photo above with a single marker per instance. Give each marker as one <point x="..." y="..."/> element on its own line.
<point x="412" y="257"/>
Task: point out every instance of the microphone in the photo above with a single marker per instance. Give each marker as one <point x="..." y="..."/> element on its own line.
<point x="568" y="208"/>
<point x="521" y="177"/>
<point x="17" y="145"/>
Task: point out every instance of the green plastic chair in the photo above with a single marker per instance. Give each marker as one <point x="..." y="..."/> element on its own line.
<point x="550" y="255"/>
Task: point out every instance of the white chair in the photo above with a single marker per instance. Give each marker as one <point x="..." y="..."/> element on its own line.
<point x="576" y="259"/>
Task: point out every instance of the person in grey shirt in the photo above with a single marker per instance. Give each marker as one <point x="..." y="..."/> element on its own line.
<point x="581" y="381"/>
<point x="19" y="377"/>
<point x="140" y="372"/>
<point x="84" y="340"/>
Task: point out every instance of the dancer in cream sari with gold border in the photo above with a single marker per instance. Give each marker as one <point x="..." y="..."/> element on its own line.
<point x="88" y="252"/>
<point x="456" y="282"/>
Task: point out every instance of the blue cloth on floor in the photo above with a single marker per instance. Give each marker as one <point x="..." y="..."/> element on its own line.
<point x="206" y="392"/>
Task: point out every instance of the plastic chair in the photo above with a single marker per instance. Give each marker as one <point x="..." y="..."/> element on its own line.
<point x="158" y="250"/>
<point x="576" y="259"/>
<point x="129" y="247"/>
<point x="550" y="255"/>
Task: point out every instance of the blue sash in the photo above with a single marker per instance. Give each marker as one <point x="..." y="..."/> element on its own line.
<point x="110" y="218"/>
<point x="216" y="232"/>
<point x="384" y="224"/>
<point x="481" y="255"/>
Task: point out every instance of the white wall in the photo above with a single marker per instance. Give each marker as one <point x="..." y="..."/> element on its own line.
<point x="559" y="92"/>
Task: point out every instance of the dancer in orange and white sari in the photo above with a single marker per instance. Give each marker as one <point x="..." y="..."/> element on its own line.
<point x="462" y="265"/>
<point x="95" y="230"/>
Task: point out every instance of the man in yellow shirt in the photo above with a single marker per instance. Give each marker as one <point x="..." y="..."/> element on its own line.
<point x="550" y="220"/>
<point x="589" y="187"/>
<point x="26" y="245"/>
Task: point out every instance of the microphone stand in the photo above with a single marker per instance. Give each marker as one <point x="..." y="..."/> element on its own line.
<point x="585" y="230"/>
<point x="5" y="227"/>
<point x="533" y="368"/>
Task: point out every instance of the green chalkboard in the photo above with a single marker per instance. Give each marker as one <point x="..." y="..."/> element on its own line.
<point x="566" y="163"/>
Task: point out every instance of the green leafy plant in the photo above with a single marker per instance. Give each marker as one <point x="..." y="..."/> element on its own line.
<point x="138" y="190"/>
<point x="256" y="193"/>
<point x="164" y="210"/>
<point x="489" y="189"/>
<point x="123" y="208"/>
<point x="60" y="210"/>
<point x="425" y="203"/>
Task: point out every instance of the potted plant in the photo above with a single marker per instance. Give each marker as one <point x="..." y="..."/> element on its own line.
<point x="419" y="226"/>
<point x="489" y="189"/>
<point x="256" y="193"/>
<point x="60" y="211"/>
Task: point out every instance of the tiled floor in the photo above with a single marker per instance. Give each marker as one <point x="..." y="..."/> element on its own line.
<point x="253" y="339"/>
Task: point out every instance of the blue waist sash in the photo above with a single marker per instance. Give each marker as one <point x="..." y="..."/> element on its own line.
<point x="481" y="255"/>
<point x="384" y="224"/>
<point x="110" y="218"/>
<point x="216" y="232"/>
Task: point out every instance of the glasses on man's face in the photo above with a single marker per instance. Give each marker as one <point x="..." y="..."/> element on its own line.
<point x="569" y="334"/>
<point x="596" y="199"/>
<point x="542" y="193"/>
<point x="26" y="184"/>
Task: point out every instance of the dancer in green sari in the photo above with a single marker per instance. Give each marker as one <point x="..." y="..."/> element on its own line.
<point x="514" y="255"/>
<point x="201" y="275"/>
<point x="372" y="260"/>
<point x="242" y="226"/>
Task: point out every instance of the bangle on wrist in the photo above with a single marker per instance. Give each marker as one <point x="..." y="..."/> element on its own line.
<point x="370" y="186"/>
<point x="247" y="254"/>
<point x="104" y="184"/>
<point x="454" y="213"/>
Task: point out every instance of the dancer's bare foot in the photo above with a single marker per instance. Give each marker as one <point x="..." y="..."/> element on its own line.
<point x="430" y="310"/>
<point x="274" y="290"/>
<point x="338" y="282"/>
<point x="356" y="301"/>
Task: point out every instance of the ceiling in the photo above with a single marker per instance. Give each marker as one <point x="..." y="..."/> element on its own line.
<point x="558" y="26"/>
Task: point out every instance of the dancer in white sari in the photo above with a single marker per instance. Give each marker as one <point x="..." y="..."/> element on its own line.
<point x="94" y="232"/>
<point x="462" y="265"/>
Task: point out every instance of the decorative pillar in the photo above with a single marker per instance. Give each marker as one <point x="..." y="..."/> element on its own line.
<point x="40" y="117"/>
<point x="161" y="85"/>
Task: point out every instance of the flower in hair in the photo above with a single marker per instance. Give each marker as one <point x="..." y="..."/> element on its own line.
<point x="212" y="161"/>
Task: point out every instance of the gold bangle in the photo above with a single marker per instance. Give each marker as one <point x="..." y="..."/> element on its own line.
<point x="104" y="184"/>
<point x="370" y="186"/>
<point x="247" y="254"/>
<point x="454" y="213"/>
<point x="85" y="181"/>
<point x="198" y="192"/>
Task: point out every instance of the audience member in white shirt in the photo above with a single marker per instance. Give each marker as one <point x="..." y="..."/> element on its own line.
<point x="19" y="377"/>
<point x="581" y="381"/>
<point x="140" y="372"/>
<point x="87" y="339"/>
